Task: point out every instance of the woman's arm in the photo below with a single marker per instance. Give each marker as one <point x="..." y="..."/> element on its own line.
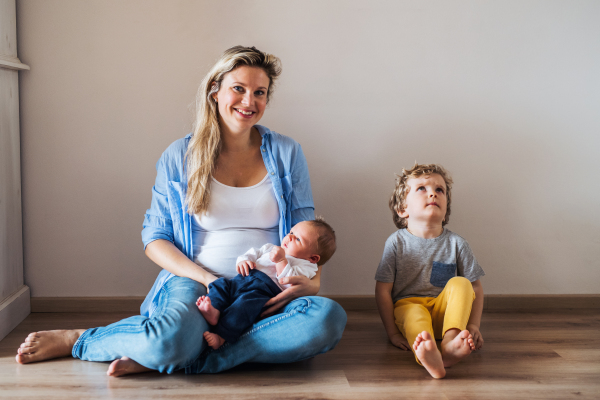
<point x="166" y="255"/>
<point x="157" y="234"/>
<point x="475" y="318"/>
<point x="385" y="305"/>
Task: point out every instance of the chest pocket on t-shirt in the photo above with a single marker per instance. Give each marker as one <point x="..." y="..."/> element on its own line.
<point x="441" y="273"/>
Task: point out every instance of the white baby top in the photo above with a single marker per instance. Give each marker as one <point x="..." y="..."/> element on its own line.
<point x="295" y="267"/>
<point x="237" y="218"/>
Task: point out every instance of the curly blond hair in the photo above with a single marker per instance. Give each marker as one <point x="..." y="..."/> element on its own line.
<point x="399" y="194"/>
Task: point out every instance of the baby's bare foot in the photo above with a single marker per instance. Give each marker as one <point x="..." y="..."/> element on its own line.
<point x="427" y="352"/>
<point x="125" y="366"/>
<point x="456" y="346"/>
<point x="210" y="314"/>
<point x="45" y="345"/>
<point x="215" y="341"/>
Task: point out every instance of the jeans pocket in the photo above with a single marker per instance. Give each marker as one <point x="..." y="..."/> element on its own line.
<point x="441" y="273"/>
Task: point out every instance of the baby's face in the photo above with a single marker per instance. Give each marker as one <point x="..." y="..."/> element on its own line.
<point x="301" y="242"/>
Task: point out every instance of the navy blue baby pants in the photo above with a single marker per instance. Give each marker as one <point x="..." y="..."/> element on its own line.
<point x="240" y="301"/>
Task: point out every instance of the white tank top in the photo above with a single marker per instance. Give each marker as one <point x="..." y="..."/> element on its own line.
<point x="238" y="218"/>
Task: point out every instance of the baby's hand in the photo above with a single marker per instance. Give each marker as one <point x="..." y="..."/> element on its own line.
<point x="243" y="267"/>
<point x="477" y="338"/>
<point x="277" y="254"/>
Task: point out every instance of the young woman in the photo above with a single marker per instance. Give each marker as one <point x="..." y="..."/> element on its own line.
<point x="228" y="186"/>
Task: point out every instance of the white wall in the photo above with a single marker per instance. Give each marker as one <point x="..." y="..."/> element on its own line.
<point x="504" y="94"/>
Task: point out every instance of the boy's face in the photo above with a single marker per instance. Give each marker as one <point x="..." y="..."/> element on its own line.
<point x="301" y="242"/>
<point x="426" y="200"/>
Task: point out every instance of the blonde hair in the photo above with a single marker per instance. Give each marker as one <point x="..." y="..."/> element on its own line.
<point x="402" y="188"/>
<point x="205" y="144"/>
<point x="326" y="244"/>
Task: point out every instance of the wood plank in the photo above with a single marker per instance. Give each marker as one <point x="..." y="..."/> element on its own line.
<point x="543" y="355"/>
<point x="86" y="304"/>
<point x="507" y="303"/>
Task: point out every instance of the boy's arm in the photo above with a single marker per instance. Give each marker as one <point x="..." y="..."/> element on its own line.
<point x="385" y="305"/>
<point x="475" y="318"/>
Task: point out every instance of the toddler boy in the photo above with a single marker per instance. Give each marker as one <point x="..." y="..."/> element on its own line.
<point x="428" y="279"/>
<point x="232" y="305"/>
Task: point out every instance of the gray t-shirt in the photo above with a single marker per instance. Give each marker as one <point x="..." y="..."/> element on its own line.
<point x="421" y="267"/>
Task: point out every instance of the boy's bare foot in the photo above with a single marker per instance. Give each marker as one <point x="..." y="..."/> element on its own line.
<point x="125" y="366"/>
<point x="45" y="345"/>
<point x="215" y="341"/>
<point x="210" y="314"/>
<point x="427" y="352"/>
<point x="456" y="346"/>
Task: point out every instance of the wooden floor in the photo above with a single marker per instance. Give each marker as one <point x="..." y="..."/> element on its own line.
<point x="525" y="356"/>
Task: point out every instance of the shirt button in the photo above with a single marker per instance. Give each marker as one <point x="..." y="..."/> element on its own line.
<point x="264" y="150"/>
<point x="282" y="196"/>
<point x="272" y="173"/>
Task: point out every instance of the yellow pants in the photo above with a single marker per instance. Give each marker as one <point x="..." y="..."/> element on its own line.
<point x="436" y="315"/>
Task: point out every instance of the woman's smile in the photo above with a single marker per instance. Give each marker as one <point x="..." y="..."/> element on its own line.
<point x="245" y="113"/>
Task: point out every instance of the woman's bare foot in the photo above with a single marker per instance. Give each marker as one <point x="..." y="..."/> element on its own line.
<point x="215" y="341"/>
<point x="427" y="352"/>
<point x="45" y="345"/>
<point x="125" y="366"/>
<point x="456" y="346"/>
<point x="210" y="314"/>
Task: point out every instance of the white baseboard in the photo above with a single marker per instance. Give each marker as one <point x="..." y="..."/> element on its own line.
<point x="14" y="310"/>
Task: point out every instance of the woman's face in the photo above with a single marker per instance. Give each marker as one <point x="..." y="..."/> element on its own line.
<point x="242" y="98"/>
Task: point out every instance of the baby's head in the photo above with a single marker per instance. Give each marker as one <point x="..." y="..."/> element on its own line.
<point x="310" y="240"/>
<point x="420" y="177"/>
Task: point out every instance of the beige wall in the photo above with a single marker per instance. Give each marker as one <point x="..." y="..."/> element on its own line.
<point x="504" y="94"/>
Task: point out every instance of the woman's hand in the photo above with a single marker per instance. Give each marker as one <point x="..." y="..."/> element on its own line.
<point x="301" y="286"/>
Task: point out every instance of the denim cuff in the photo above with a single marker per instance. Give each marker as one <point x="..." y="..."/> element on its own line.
<point x="79" y="342"/>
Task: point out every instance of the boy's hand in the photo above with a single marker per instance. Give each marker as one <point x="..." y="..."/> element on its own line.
<point x="477" y="337"/>
<point x="399" y="341"/>
<point x="277" y="254"/>
<point x="243" y="267"/>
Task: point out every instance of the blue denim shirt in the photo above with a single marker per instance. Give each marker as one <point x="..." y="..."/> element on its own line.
<point x="168" y="218"/>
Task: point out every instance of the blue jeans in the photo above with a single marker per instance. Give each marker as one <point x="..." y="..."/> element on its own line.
<point x="171" y="339"/>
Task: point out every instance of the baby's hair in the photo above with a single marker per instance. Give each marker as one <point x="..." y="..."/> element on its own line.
<point x="399" y="194"/>
<point x="326" y="245"/>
